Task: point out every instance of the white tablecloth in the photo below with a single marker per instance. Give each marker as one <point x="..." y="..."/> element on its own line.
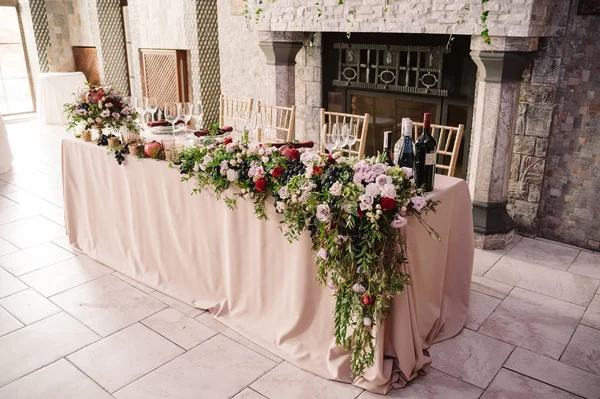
<point x="6" y="157"/>
<point x="54" y="89"/>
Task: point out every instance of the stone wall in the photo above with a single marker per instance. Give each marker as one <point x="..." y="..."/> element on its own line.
<point x="506" y="18"/>
<point x="570" y="201"/>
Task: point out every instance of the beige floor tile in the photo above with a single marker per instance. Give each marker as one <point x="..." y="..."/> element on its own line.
<point x="490" y="287"/>
<point x="544" y="253"/>
<point x="6" y="247"/>
<point x="34" y="258"/>
<point x="107" y="304"/>
<point x="480" y="308"/>
<point x="553" y="372"/>
<point x="470" y="356"/>
<point x="592" y="314"/>
<point x="7" y="187"/>
<point x="177" y="304"/>
<point x="510" y="385"/>
<point x="214" y="324"/>
<point x="125" y="356"/>
<point x="290" y="382"/>
<point x="134" y="283"/>
<point x="65" y="275"/>
<point x="5" y="202"/>
<point x="248" y="394"/>
<point x="219" y="368"/>
<point x="484" y="260"/>
<point x="584" y="349"/>
<point x="54" y="196"/>
<point x="60" y="380"/>
<point x="433" y="385"/>
<point x="56" y="215"/>
<point x="31" y="231"/>
<point x="179" y="328"/>
<point x="533" y="321"/>
<point x="8" y="322"/>
<point x="587" y="264"/>
<point x="64" y="243"/>
<point x="17" y="212"/>
<point x="40" y="344"/>
<point x="28" y="306"/>
<point x="9" y="284"/>
<point x="556" y="283"/>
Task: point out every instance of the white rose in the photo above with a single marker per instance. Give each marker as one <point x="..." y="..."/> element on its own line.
<point x="323" y="213"/>
<point x="389" y="190"/>
<point x="283" y="192"/>
<point x="232" y="175"/>
<point x="265" y="159"/>
<point x="336" y="189"/>
<point x="366" y="202"/>
<point x="373" y="189"/>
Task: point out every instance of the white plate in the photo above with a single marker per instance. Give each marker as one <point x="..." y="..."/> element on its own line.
<point x="166" y="129"/>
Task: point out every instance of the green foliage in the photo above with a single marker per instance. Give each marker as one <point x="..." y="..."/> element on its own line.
<point x="360" y="253"/>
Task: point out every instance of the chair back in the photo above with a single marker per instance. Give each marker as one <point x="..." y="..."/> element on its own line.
<point x="280" y="122"/>
<point x="362" y="128"/>
<point x="448" y="140"/>
<point x="234" y="109"/>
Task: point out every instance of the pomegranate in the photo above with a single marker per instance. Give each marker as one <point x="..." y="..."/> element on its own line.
<point x="152" y="149"/>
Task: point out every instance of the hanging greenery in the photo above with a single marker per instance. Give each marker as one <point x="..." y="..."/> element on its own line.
<point x="386" y="9"/>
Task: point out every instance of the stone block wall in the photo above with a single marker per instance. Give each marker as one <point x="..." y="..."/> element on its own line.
<point x="570" y="201"/>
<point x="506" y="18"/>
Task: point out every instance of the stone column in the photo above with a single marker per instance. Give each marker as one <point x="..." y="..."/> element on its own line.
<point x="499" y="71"/>
<point x="280" y="49"/>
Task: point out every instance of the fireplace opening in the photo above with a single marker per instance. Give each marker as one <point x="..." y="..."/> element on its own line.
<point x="395" y="76"/>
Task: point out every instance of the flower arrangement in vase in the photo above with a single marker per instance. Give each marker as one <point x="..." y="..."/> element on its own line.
<point x="101" y="107"/>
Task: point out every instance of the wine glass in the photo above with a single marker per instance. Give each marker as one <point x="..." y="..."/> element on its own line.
<point x="171" y="114"/>
<point x="138" y="104"/>
<point x="352" y="134"/>
<point x="151" y="105"/>
<point x="327" y="137"/>
<point x="197" y="115"/>
<point x="185" y="112"/>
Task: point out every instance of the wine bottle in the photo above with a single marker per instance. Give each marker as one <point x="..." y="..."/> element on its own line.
<point x="387" y="155"/>
<point x="425" y="156"/>
<point x="403" y="150"/>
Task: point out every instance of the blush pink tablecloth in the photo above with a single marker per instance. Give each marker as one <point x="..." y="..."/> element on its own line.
<point x="142" y="221"/>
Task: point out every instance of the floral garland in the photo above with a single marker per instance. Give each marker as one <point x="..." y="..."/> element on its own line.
<point x="354" y="210"/>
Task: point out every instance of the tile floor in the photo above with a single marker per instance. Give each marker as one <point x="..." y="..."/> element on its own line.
<point x="72" y="328"/>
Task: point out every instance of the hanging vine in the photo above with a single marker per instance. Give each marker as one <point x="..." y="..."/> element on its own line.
<point x="386" y="9"/>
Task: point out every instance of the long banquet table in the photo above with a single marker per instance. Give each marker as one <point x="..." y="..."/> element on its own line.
<point x="141" y="220"/>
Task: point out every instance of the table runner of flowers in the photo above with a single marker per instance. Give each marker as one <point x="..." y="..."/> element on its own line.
<point x="354" y="210"/>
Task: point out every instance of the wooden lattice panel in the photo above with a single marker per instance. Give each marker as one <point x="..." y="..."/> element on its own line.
<point x="86" y="61"/>
<point x="164" y="75"/>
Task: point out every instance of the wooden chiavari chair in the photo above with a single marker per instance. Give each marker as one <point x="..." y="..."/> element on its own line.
<point x="448" y="140"/>
<point x="362" y="128"/>
<point x="280" y="120"/>
<point x="234" y="109"/>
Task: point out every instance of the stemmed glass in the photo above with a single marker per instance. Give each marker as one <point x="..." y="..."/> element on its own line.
<point x="185" y="112"/>
<point x="197" y="115"/>
<point x="151" y="105"/>
<point x="329" y="136"/>
<point x="138" y="104"/>
<point x="171" y="114"/>
<point x="351" y="134"/>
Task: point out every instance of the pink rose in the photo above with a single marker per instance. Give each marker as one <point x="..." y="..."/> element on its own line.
<point x="382" y="180"/>
<point x="373" y="189"/>
<point x="389" y="191"/>
<point x="322" y="253"/>
<point x="370" y="176"/>
<point x="418" y="203"/>
<point x="398" y="222"/>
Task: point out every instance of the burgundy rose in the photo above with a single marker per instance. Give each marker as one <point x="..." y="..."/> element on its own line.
<point x="387" y="203"/>
<point x="295" y="154"/>
<point x="260" y="185"/>
<point x="317" y="170"/>
<point x="330" y="159"/>
<point x="227" y="140"/>
<point x="367" y="299"/>
<point x="360" y="212"/>
<point x="276" y="172"/>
